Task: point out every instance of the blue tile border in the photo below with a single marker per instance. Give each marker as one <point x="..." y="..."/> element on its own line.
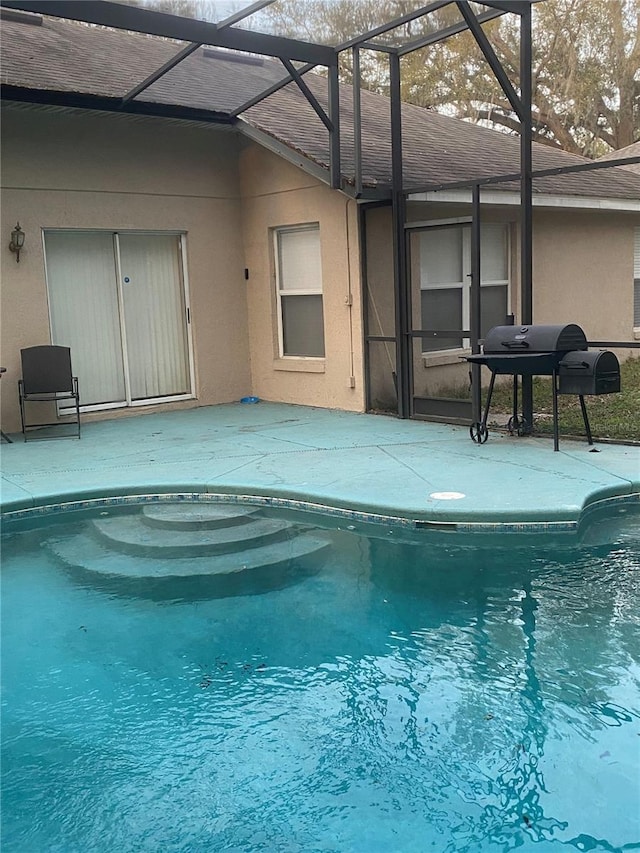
<point x="360" y="516"/>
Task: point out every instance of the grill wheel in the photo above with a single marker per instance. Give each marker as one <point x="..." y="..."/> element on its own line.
<point x="518" y="425"/>
<point x="478" y="432"/>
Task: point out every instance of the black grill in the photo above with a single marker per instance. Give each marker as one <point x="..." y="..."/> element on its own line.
<point x="556" y="351"/>
<point x="589" y="373"/>
<point x="529" y="350"/>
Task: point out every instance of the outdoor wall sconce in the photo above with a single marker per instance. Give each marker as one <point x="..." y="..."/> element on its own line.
<point x="17" y="241"/>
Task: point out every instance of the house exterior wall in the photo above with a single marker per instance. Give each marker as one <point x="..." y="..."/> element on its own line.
<point x="276" y="193"/>
<point x="582" y="273"/>
<point x="576" y="253"/>
<point x="82" y="170"/>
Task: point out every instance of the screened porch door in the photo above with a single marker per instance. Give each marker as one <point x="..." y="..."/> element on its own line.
<point x="118" y="301"/>
<point x="440" y="265"/>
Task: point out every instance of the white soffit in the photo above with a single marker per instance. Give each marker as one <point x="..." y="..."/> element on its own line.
<point x="539" y="200"/>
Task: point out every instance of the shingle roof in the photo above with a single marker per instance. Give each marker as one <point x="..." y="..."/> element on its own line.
<point x="61" y="56"/>
<point x="437" y="149"/>
<point x="65" y="56"/>
<point x="632" y="150"/>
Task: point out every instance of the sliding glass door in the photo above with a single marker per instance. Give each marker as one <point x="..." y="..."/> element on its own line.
<point x="118" y="301"/>
<point x="154" y="316"/>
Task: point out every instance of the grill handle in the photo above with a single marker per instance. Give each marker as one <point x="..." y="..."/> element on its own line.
<point x="515" y="344"/>
<point x="570" y="365"/>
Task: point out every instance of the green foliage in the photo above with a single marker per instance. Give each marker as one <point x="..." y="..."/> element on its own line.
<point x="202" y="10"/>
<point x="586" y="61"/>
<point x="612" y="416"/>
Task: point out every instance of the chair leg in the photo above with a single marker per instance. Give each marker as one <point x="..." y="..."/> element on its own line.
<point x="25" y="425"/>
<point x="22" y="417"/>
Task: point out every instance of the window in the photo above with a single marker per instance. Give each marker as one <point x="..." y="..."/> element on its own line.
<point x="445" y="284"/>
<point x="636" y="279"/>
<point x="299" y="291"/>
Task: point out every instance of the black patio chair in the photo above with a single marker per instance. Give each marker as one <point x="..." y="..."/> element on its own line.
<point x="46" y="378"/>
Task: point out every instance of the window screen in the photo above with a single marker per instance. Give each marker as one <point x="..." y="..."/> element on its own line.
<point x="441" y="309"/>
<point x="493" y="307"/>
<point x="444" y="267"/>
<point x="440" y="256"/>
<point x="303" y="326"/>
<point x="495" y="263"/>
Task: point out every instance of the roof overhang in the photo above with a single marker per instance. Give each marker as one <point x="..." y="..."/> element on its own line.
<point x="296" y="158"/>
<point x="542" y="200"/>
<point x="106" y="104"/>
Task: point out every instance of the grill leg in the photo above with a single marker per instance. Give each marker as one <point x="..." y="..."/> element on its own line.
<point x="585" y="418"/>
<point x="513" y="424"/>
<point x="488" y="403"/>
<point x="478" y="431"/>
<point x="556" y="440"/>
<point x="517" y="424"/>
<point x="475" y="378"/>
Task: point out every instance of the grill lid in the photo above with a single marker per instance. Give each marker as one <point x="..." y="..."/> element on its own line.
<point x="522" y="340"/>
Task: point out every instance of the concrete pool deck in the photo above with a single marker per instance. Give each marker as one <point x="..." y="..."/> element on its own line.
<point x="364" y="464"/>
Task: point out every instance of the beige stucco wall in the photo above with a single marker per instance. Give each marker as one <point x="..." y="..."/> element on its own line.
<point x="583" y="271"/>
<point x="276" y="193"/>
<point x="85" y="170"/>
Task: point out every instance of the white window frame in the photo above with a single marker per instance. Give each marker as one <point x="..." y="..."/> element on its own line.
<point x="280" y="291"/>
<point x="465" y="284"/>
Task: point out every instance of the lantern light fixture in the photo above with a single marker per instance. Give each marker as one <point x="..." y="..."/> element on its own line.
<point x="17" y="241"/>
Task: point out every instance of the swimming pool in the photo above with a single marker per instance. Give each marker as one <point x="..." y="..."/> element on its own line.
<point x="382" y="691"/>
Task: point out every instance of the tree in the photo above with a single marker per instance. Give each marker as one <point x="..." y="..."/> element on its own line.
<point x="586" y="64"/>
<point x="202" y="10"/>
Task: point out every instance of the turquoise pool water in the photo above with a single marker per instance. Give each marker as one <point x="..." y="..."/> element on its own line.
<point x="407" y="693"/>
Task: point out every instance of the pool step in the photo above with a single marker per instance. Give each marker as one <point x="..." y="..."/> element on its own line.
<point x="193" y="516"/>
<point x="83" y="551"/>
<point x="202" y="552"/>
<point x="131" y="535"/>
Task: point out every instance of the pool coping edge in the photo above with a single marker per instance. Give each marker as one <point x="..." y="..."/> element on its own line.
<point x="190" y="495"/>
